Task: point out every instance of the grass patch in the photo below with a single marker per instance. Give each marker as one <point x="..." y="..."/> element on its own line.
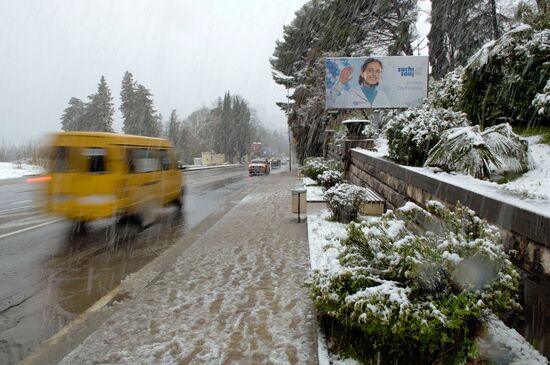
<point x="508" y="176"/>
<point x="535" y="131"/>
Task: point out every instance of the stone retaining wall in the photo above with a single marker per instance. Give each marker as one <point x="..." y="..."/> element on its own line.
<point x="524" y="231"/>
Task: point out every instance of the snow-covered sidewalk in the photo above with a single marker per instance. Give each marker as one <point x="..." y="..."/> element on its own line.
<point x="236" y="296"/>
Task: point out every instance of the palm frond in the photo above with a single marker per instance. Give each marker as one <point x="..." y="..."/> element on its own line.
<point x="507" y="146"/>
<point x="502" y="140"/>
<point x="464" y="150"/>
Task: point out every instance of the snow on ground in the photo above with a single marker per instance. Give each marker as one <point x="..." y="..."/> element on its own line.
<point x="315" y="193"/>
<point x="500" y="339"/>
<point x="534" y="183"/>
<point x="321" y="233"/>
<point x="531" y="191"/>
<point x="308" y="181"/>
<point x="11" y="170"/>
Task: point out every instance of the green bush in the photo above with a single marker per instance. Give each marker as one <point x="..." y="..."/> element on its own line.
<point x="315" y="166"/>
<point x="416" y="283"/>
<point x="344" y="201"/>
<point x="541" y="102"/>
<point x="412" y="133"/>
<point x="503" y="79"/>
<point x="330" y="178"/>
<point x="445" y="93"/>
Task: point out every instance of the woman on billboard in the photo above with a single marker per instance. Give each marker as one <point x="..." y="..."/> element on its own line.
<point x="367" y="95"/>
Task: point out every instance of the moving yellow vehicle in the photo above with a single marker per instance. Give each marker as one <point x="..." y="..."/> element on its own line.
<point x="95" y="175"/>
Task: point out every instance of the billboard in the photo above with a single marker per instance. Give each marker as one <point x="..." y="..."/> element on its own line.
<point x="376" y="82"/>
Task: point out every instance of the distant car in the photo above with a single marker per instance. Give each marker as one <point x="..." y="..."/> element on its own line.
<point x="275" y="163"/>
<point x="258" y="166"/>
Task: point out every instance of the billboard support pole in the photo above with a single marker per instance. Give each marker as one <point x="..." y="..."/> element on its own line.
<point x="376" y="118"/>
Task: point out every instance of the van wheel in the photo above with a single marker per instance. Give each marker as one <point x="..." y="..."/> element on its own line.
<point x="148" y="212"/>
<point x="178" y="202"/>
<point x="79" y="227"/>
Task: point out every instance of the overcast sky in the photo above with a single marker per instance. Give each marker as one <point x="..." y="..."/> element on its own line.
<point x="187" y="52"/>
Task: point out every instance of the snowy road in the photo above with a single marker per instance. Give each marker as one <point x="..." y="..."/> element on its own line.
<point x="49" y="276"/>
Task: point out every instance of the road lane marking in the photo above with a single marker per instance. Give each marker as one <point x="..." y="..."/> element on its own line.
<point x="14" y="209"/>
<point x="29" y="228"/>
<point x="15" y="224"/>
<point x="21" y="201"/>
<point x="17" y="214"/>
<point x="37" y="355"/>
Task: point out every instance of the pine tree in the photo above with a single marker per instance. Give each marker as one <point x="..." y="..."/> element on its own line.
<point x="243" y="129"/>
<point x="458" y="29"/>
<point x="222" y="116"/>
<point x="138" y="111"/>
<point x="98" y="113"/>
<point x="128" y="104"/>
<point x="172" y="130"/>
<point x="158" y="126"/>
<point x="217" y="133"/>
<point x="72" y="117"/>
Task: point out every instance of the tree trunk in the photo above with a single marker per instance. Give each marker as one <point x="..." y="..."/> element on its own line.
<point x="493" y="6"/>
<point x="542" y="6"/>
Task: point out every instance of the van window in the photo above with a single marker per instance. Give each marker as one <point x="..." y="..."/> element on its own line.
<point x="60" y="159"/>
<point x="165" y="161"/>
<point x="95" y="159"/>
<point x="143" y="160"/>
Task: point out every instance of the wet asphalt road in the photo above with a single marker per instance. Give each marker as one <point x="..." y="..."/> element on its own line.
<point x="50" y="274"/>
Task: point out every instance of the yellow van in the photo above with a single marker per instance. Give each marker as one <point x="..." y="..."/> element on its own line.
<point x="95" y="175"/>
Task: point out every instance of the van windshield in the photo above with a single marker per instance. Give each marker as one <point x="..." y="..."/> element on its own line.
<point x="71" y="159"/>
<point x="62" y="159"/>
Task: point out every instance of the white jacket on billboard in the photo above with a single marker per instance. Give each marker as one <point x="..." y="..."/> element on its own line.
<point x="358" y="98"/>
<point x="376" y="82"/>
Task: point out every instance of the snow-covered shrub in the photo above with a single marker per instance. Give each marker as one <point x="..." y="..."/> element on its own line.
<point x="412" y="133"/>
<point x="330" y="178"/>
<point x="344" y="201"/>
<point x="541" y="102"/>
<point x="445" y="93"/>
<point x="415" y="284"/>
<point x="371" y="131"/>
<point x="315" y="166"/>
<point x="477" y="153"/>
<point x="503" y="78"/>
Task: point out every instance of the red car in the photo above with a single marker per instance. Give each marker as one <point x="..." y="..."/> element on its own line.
<point x="258" y="166"/>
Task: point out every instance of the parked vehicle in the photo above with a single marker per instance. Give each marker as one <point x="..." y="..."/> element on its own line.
<point x="275" y="163"/>
<point x="96" y="175"/>
<point x="258" y="166"/>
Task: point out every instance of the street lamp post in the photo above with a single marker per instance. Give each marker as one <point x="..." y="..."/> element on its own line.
<point x="288" y="123"/>
<point x="286" y="80"/>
